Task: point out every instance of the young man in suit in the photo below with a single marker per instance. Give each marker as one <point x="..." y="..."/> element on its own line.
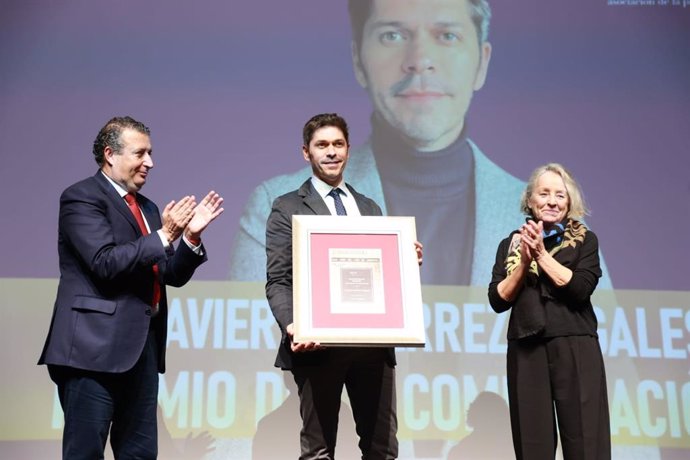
<point x="107" y="337"/>
<point x="367" y="373"/>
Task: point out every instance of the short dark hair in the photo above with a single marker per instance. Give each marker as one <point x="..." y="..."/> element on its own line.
<point x="321" y="121"/>
<point x="360" y="10"/>
<point x="109" y="135"/>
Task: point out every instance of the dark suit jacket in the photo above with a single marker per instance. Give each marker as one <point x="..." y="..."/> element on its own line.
<point x="103" y="307"/>
<point x="304" y="201"/>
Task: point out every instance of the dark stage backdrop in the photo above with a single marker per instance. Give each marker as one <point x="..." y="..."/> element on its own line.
<point x="600" y="86"/>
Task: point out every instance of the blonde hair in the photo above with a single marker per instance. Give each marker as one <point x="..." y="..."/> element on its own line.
<point x="577" y="208"/>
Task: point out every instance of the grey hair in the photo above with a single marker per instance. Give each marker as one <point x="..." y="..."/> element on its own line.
<point x="577" y="208"/>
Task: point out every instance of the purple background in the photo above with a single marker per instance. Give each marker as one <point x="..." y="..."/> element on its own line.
<point x="227" y="86"/>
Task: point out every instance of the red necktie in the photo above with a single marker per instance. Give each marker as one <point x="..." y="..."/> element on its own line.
<point x="134" y="207"/>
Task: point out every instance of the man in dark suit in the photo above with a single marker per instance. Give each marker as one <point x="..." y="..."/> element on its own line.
<point x="107" y="337"/>
<point x="367" y="373"/>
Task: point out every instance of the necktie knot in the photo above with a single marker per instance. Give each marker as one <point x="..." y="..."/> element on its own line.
<point x="339" y="206"/>
<point x="131" y="199"/>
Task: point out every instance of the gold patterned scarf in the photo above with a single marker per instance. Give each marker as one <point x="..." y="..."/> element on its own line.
<point x="573" y="234"/>
<point x="528" y="317"/>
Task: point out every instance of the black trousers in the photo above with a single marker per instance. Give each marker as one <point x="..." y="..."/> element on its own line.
<point x="558" y="380"/>
<point x="98" y="403"/>
<point x="370" y="384"/>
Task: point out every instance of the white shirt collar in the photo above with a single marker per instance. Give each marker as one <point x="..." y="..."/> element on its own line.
<point x="324" y="189"/>
<point x="117" y="186"/>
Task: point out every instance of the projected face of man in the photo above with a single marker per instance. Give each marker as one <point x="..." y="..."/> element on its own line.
<point x="421" y="61"/>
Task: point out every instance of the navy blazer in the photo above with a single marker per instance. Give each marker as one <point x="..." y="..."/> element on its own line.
<point x="102" y="311"/>
<point x="304" y="201"/>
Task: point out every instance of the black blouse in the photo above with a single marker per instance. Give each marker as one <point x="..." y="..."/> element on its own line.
<point x="542" y="309"/>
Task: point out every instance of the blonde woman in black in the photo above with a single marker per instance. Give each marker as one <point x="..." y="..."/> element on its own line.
<point x="545" y="273"/>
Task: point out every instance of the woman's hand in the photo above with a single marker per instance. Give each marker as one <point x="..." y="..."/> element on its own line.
<point x="533" y="239"/>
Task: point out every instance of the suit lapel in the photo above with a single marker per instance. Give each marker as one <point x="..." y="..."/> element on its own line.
<point x="312" y="199"/>
<point x="121" y="205"/>
<point x="116" y="200"/>
<point x="315" y="203"/>
<point x="488" y="211"/>
<point x="497" y="213"/>
<point x="363" y="204"/>
<point x="362" y="168"/>
<point x="150" y="213"/>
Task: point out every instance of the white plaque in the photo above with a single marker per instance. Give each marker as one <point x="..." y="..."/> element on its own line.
<point x="356" y="280"/>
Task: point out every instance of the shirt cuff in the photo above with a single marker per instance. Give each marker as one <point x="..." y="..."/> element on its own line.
<point x="195" y="249"/>
<point x="164" y="240"/>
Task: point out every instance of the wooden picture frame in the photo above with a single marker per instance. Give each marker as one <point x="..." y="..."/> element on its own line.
<point x="356" y="281"/>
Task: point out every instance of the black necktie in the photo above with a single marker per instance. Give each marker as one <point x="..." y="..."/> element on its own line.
<point x="339" y="206"/>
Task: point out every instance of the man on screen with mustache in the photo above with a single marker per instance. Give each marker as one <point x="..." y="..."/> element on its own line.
<point x="420" y="62"/>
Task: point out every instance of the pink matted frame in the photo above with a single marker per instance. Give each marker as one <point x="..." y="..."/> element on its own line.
<point x="394" y="316"/>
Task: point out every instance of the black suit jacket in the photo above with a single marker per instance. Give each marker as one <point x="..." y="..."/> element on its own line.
<point x="102" y="311"/>
<point x="304" y="201"/>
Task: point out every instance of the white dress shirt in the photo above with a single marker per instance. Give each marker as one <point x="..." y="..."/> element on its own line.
<point x="346" y="196"/>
